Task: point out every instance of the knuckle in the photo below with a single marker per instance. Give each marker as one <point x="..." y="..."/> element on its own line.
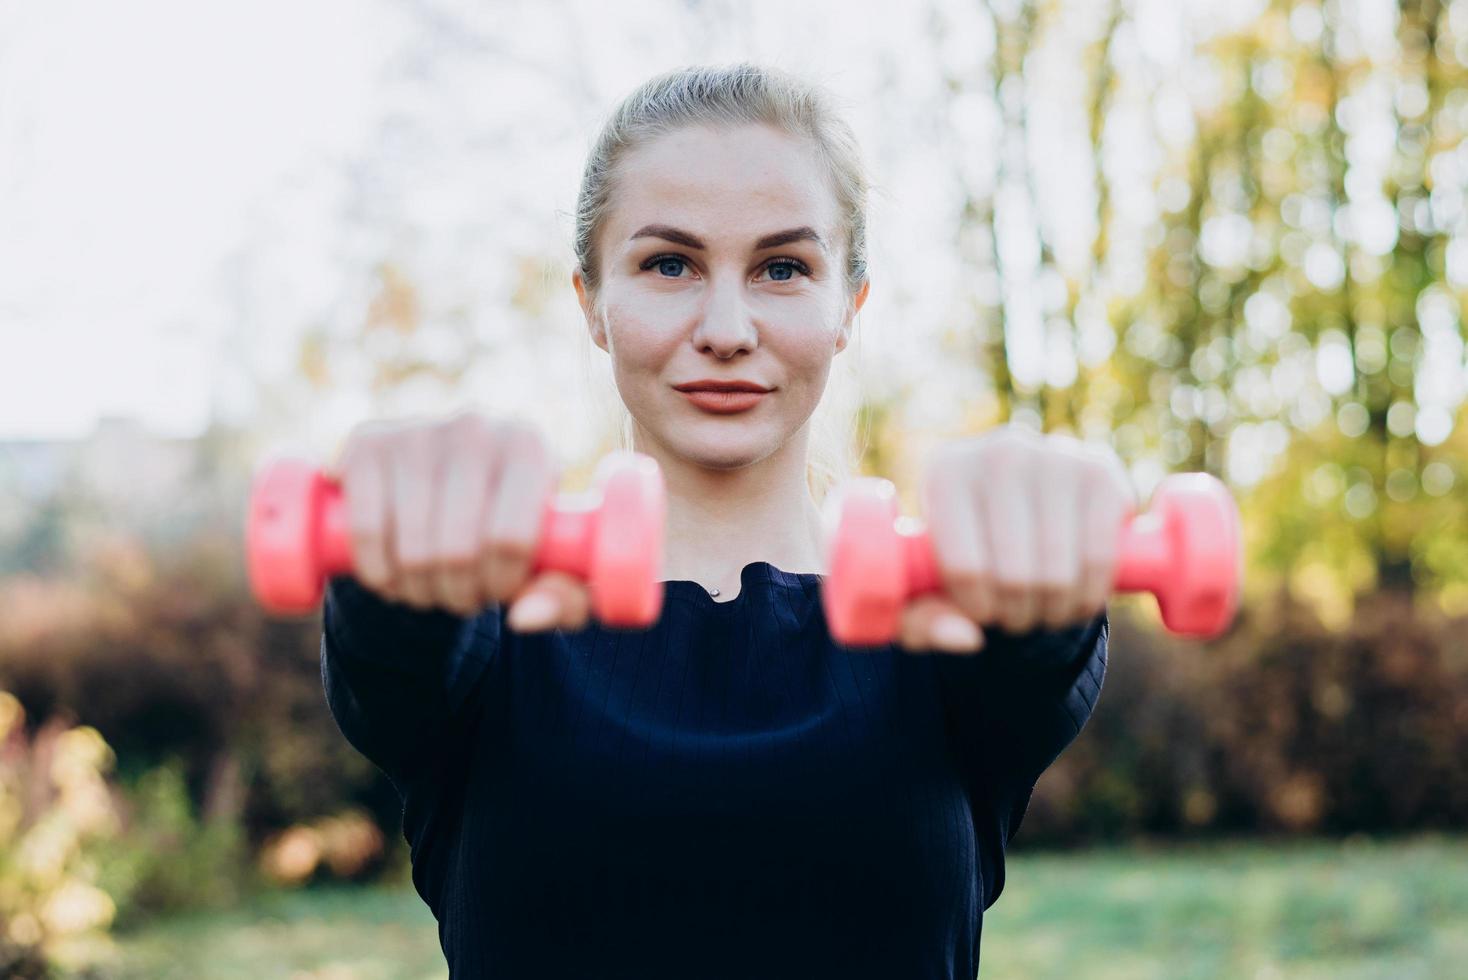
<point x="367" y="536"/>
<point x="1095" y="466"/>
<point x="520" y="434"/>
<point x="405" y="435"/>
<point x="1099" y="478"/>
<point x="522" y="448"/>
<point x="415" y="564"/>
<point x="957" y="457"/>
<point x="1011" y="586"/>
<point x="1053" y="583"/>
<point x="467" y="420"/>
<point x="950" y="454"/>
<point x="1064" y="442"/>
<point x="466" y="601"/>
<point x="1006" y="451"/>
<point x="509" y="549"/>
<point x="458" y="561"/>
<point x="1013" y="436"/>
<point x="376" y="578"/>
<point x="1058" y="461"/>
<point x="365" y="433"/>
<point x="469" y="428"/>
<point x="362" y="444"/>
<point x="967" y="578"/>
<point x="413" y="555"/>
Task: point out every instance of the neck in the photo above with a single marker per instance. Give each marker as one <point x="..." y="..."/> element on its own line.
<point x="720" y="520"/>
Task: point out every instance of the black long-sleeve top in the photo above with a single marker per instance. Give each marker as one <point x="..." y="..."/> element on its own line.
<point x="729" y="793"/>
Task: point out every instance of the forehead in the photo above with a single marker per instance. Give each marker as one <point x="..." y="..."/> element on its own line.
<point x="736" y="182"/>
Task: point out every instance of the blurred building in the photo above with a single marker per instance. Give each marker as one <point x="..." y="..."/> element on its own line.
<point x="120" y="464"/>
<point x="119" y="476"/>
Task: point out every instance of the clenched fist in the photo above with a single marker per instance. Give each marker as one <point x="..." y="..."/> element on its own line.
<point x="1025" y="529"/>
<point x="446" y="513"/>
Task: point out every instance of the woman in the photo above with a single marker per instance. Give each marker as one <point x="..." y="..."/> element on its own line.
<point x="729" y="793"/>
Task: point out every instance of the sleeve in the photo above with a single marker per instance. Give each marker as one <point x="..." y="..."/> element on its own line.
<point x="1013" y="707"/>
<point x="397" y="678"/>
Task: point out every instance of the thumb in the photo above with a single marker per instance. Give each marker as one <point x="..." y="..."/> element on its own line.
<point x="537" y="609"/>
<point x="934" y="622"/>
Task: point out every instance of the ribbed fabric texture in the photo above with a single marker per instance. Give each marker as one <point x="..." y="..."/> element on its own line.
<point x="728" y="794"/>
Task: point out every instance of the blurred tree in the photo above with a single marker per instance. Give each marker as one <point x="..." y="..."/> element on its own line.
<point x="1297" y="330"/>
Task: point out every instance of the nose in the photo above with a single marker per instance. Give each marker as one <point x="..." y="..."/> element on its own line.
<point x="726" y="326"/>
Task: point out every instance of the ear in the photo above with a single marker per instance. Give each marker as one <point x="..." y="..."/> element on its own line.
<point x="854" y="307"/>
<point x="593" y="322"/>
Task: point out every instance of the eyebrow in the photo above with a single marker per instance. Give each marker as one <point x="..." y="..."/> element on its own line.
<point x="668" y="233"/>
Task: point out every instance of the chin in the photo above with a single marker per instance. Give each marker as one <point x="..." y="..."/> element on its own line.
<point x="728" y="452"/>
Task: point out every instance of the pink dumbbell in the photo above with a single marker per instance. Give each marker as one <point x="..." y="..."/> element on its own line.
<point x="1184" y="550"/>
<point x="297" y="535"/>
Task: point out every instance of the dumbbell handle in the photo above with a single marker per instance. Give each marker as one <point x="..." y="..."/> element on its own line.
<point x="568" y="524"/>
<point x="298" y="534"/>
<point x="1184" y="549"/>
<point x="1141" y="558"/>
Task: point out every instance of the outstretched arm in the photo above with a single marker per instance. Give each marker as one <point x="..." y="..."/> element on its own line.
<point x="398" y="678"/>
<point x="1011" y="709"/>
<point x="1025" y="532"/>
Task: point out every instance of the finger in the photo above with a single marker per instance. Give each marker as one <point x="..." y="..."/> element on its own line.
<point x="464" y="496"/>
<point x="923" y="627"/>
<point x="1058" y="561"/>
<point x="959" y="540"/>
<point x="533" y="611"/>
<point x="526" y="483"/>
<point x="575" y="600"/>
<point x="412" y="471"/>
<point x="1116" y="472"/>
<point x="489" y="585"/>
<point x="1008" y="513"/>
<point x="1102" y="520"/>
<point x="366" y="491"/>
<point x="570" y="607"/>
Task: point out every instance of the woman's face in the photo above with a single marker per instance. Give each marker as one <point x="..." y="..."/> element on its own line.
<point x="693" y="289"/>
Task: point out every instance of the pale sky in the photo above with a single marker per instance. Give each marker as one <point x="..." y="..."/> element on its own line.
<point x="173" y="175"/>
<point x="134" y="139"/>
<point x="147" y="146"/>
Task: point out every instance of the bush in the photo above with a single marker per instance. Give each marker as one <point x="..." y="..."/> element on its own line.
<point x="56" y="809"/>
<point x="166" y="858"/>
<point x="169" y="657"/>
<point x="1281" y="726"/>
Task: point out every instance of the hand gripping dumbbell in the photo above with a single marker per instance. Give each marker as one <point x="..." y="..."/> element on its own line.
<point x="1185" y="550"/>
<point x="297" y="534"/>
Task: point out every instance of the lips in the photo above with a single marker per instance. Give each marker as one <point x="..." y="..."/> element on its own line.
<point x="725" y="402"/>
<point x="721" y="386"/>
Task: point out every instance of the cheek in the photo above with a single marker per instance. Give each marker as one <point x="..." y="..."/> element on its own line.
<point x="641" y="347"/>
<point x="808" y="336"/>
<point x="811" y="353"/>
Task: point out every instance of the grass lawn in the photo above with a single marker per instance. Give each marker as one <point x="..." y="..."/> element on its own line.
<point x="1343" y="910"/>
<point x="335" y="933"/>
<point x="1312" y="909"/>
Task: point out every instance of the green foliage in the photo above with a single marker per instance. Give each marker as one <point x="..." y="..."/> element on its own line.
<point x="56" y="814"/>
<point x="1296" y="324"/>
<point x="168" y="858"/>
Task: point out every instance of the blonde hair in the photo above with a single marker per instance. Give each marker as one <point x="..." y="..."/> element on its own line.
<point x="727" y="96"/>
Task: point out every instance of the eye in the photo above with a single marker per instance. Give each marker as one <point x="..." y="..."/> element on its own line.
<point x="791" y="265"/>
<point x="663" y="263"/>
<point x="671" y="267"/>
